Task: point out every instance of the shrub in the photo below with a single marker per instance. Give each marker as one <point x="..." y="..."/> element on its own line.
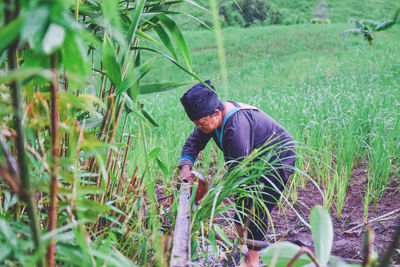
<point x="244" y="12"/>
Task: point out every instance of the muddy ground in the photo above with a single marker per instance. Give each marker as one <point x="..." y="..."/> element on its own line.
<point x="345" y="245"/>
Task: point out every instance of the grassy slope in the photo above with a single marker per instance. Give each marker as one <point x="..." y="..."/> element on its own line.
<point x="338" y="11"/>
<point x="342" y="10"/>
<point x="312" y="80"/>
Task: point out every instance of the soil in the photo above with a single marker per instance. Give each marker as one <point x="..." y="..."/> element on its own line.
<point x="345" y="245"/>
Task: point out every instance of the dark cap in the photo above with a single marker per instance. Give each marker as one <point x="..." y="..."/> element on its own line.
<point x="199" y="101"/>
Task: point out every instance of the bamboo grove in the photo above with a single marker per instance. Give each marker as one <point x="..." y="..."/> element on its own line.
<point x="71" y="74"/>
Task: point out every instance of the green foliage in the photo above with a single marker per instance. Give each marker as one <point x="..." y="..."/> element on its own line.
<point x="99" y="197"/>
<point x="291" y="12"/>
<point x="247" y="12"/>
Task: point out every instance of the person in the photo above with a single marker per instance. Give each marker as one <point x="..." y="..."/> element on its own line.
<point x="237" y="130"/>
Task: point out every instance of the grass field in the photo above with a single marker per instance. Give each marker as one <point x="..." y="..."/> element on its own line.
<point x="337" y="96"/>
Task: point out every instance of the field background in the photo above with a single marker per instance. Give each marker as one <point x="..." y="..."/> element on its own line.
<point x="323" y="87"/>
<point x="302" y="11"/>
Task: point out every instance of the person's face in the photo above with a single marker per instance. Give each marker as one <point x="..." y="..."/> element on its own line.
<point x="209" y="123"/>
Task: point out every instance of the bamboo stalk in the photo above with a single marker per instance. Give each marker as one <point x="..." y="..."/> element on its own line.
<point x="122" y="178"/>
<point x="54" y="173"/>
<point x="27" y="194"/>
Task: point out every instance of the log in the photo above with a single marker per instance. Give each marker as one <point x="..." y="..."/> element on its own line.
<point x="181" y="242"/>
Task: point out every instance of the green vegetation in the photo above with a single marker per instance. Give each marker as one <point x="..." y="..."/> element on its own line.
<point x="267" y="12"/>
<point x="336" y="96"/>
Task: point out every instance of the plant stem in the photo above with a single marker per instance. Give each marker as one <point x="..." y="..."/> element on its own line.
<point x="54" y="173"/>
<point x="302" y="251"/>
<point x="26" y="192"/>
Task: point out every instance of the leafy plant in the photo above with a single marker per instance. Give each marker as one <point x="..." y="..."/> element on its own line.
<point x="366" y="27"/>
<point x="287" y="254"/>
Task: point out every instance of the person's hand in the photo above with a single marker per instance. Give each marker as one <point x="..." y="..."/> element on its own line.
<point x="185" y="173"/>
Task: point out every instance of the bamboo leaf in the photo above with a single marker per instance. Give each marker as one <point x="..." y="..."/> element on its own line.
<point x="197" y="5"/>
<point x="133" y="76"/>
<point x="281" y="253"/>
<point x="178" y="38"/>
<point x="90" y="101"/>
<point x="175" y="62"/>
<point x="91" y="123"/>
<point x="77" y="65"/>
<point x="213" y="242"/>
<point x="128" y="102"/>
<point x="25" y="73"/>
<point x="5" y="251"/>
<point x="110" y="11"/>
<point x="154" y="153"/>
<point x="135" y="21"/>
<point x="166" y="40"/>
<point x="146" y="36"/>
<point x="10" y="33"/>
<point x="34" y="25"/>
<point x="149" y="118"/>
<point x="110" y="62"/>
<point x="162" y="166"/>
<point x="160" y="87"/>
<point x="322" y="233"/>
<point x="222" y="234"/>
<point x="199" y="20"/>
<point x="53" y="38"/>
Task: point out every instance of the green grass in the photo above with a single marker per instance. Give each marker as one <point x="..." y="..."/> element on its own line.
<point x="321" y="86"/>
<point x="341" y="10"/>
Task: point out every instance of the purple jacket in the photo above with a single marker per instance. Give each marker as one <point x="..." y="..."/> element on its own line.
<point x="243" y="130"/>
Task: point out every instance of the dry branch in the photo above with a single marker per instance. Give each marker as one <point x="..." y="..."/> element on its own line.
<point x="373" y="220"/>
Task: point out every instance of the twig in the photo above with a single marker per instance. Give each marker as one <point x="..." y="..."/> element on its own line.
<point x="37" y="156"/>
<point x="165" y="197"/>
<point x="246" y="241"/>
<point x="373" y="220"/>
<point x="12" y="166"/>
<point x="302" y="251"/>
<point x="10" y="180"/>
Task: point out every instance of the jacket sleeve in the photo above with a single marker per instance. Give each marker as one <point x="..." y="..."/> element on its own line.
<point x="237" y="142"/>
<point x="193" y="145"/>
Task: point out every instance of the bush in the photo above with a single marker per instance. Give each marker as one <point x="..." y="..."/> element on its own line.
<point x="245" y="12"/>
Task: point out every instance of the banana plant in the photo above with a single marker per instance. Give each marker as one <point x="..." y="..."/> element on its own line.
<point x="367" y="27"/>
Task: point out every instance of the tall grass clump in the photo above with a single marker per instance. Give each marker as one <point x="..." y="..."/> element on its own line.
<point x="72" y="118"/>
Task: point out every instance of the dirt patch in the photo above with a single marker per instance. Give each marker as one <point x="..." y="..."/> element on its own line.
<point x="345" y="245"/>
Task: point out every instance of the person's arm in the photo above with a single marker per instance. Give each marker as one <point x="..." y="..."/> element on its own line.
<point x="193" y="145"/>
<point x="185" y="172"/>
